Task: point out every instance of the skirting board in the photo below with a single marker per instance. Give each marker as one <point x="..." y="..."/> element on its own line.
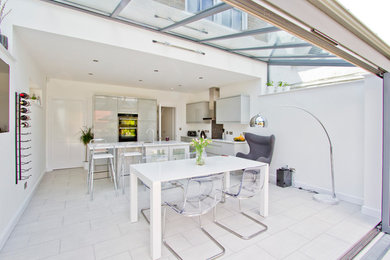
<point x="341" y="196"/>
<point x="11" y="225"/>
<point x="371" y="212"/>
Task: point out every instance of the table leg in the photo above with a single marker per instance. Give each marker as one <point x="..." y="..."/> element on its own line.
<point x="226" y="184"/>
<point x="133" y="197"/>
<point x="264" y="193"/>
<point x="155" y="220"/>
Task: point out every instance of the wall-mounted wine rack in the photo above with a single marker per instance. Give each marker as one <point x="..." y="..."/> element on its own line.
<point x="23" y="160"/>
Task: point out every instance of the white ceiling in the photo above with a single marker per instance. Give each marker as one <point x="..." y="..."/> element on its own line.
<point x="72" y="59"/>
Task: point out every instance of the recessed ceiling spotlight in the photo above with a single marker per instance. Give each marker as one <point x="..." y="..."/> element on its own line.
<point x="200" y="78"/>
<point x="140" y="80"/>
<point x="95" y="60"/>
<point x="90" y="73"/>
<point x="171" y="88"/>
<point x="155" y="70"/>
<point x="179" y="85"/>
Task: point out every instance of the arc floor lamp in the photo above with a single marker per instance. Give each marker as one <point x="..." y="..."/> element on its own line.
<point x="260" y="121"/>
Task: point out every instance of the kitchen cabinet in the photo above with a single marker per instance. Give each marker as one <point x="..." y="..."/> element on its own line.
<point x="224" y="147"/>
<point x="233" y="110"/>
<point x="147" y="120"/>
<point x="195" y="112"/>
<point x="127" y="105"/>
<point x="178" y="152"/>
<point x="147" y="109"/>
<point x="105" y="118"/>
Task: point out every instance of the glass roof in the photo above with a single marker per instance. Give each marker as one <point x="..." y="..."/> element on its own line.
<point x="213" y="23"/>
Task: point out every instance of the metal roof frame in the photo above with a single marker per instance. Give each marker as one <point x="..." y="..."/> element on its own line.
<point x="288" y="60"/>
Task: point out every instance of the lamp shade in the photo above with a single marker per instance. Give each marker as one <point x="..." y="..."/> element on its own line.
<point x="258" y="121"/>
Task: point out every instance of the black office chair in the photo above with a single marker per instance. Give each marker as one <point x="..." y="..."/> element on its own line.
<point x="261" y="148"/>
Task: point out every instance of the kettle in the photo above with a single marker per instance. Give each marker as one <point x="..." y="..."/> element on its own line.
<point x="203" y="135"/>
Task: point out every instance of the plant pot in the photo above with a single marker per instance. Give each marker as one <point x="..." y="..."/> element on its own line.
<point x="86" y="165"/>
<point x="270" y="89"/>
<point x="279" y="89"/>
<point x="286" y="88"/>
<point x="4" y="41"/>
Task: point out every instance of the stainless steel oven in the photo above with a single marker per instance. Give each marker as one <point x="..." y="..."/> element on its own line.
<point x="127" y="127"/>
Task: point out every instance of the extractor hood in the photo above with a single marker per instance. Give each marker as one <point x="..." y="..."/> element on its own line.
<point x="213" y="96"/>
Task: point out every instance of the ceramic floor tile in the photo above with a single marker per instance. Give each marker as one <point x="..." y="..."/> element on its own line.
<point x="85" y="253"/>
<point x="122" y="256"/>
<point x="34" y="252"/>
<point x="62" y="223"/>
<point x="251" y="252"/>
<point x="283" y="243"/>
<point x="325" y="247"/>
<point x="310" y="227"/>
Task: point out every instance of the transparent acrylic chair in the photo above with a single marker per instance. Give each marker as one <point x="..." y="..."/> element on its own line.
<point x="100" y="150"/>
<point x="125" y="157"/>
<point x="165" y="185"/>
<point x="251" y="184"/>
<point x="201" y="195"/>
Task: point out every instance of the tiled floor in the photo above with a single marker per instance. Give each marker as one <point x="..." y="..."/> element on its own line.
<point x="62" y="223"/>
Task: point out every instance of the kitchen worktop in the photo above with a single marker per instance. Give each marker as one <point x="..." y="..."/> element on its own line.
<point x="218" y="140"/>
<point x="140" y="144"/>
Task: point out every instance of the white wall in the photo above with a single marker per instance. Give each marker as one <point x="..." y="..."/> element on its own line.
<point x="351" y="112"/>
<point x="373" y="112"/>
<point x="13" y="198"/>
<point x="65" y="89"/>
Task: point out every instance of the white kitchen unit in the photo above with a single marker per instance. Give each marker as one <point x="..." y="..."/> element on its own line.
<point x="147" y="120"/>
<point x="105" y="118"/>
<point x="127" y="105"/>
<point x="233" y="110"/>
<point x="195" y="112"/>
<point x="225" y="147"/>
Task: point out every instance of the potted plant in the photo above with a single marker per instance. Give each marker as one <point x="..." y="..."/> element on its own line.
<point x="85" y="138"/>
<point x="270" y="87"/>
<point x="3" y="15"/>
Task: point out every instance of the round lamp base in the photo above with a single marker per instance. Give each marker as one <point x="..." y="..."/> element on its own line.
<point x="325" y="198"/>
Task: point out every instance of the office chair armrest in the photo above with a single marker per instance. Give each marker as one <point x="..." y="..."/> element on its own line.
<point x="242" y="155"/>
<point x="263" y="159"/>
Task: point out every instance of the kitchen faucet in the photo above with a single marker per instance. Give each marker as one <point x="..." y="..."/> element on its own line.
<point x="151" y="129"/>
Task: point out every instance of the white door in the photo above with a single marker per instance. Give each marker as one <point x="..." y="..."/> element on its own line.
<point x="66" y="118"/>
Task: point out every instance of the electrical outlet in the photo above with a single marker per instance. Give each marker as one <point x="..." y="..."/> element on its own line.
<point x="25" y="185"/>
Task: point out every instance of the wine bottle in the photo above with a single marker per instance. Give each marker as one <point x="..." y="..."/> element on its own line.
<point x="24" y="110"/>
<point x="25" y="125"/>
<point x="24" y="117"/>
<point x="24" y="103"/>
<point x="24" y="95"/>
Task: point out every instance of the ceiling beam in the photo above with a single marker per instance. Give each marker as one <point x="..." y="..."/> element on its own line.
<point x="243" y="34"/>
<point x="281" y="46"/>
<point x="119" y="8"/>
<point x="319" y="62"/>
<point x="203" y="14"/>
<point x="325" y="56"/>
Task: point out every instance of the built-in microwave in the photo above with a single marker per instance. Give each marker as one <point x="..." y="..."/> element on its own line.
<point x="127" y="127"/>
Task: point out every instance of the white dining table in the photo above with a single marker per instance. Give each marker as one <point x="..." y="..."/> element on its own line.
<point x="153" y="174"/>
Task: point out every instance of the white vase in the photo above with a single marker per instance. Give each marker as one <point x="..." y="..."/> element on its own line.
<point x="270" y="89"/>
<point x="279" y="89"/>
<point x="286" y="88"/>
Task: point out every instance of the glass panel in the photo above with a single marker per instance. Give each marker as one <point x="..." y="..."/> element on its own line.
<point x="162" y="13"/>
<point x="101" y="5"/>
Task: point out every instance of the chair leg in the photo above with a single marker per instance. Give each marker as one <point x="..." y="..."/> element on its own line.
<point x="221" y="253"/>
<point x="265" y="228"/>
<point x="113" y="174"/>
<point x="91" y="180"/>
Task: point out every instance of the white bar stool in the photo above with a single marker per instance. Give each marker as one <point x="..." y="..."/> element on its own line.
<point x="124" y="157"/>
<point x="100" y="151"/>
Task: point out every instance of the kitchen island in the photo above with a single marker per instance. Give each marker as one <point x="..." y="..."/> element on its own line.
<point x="151" y="151"/>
